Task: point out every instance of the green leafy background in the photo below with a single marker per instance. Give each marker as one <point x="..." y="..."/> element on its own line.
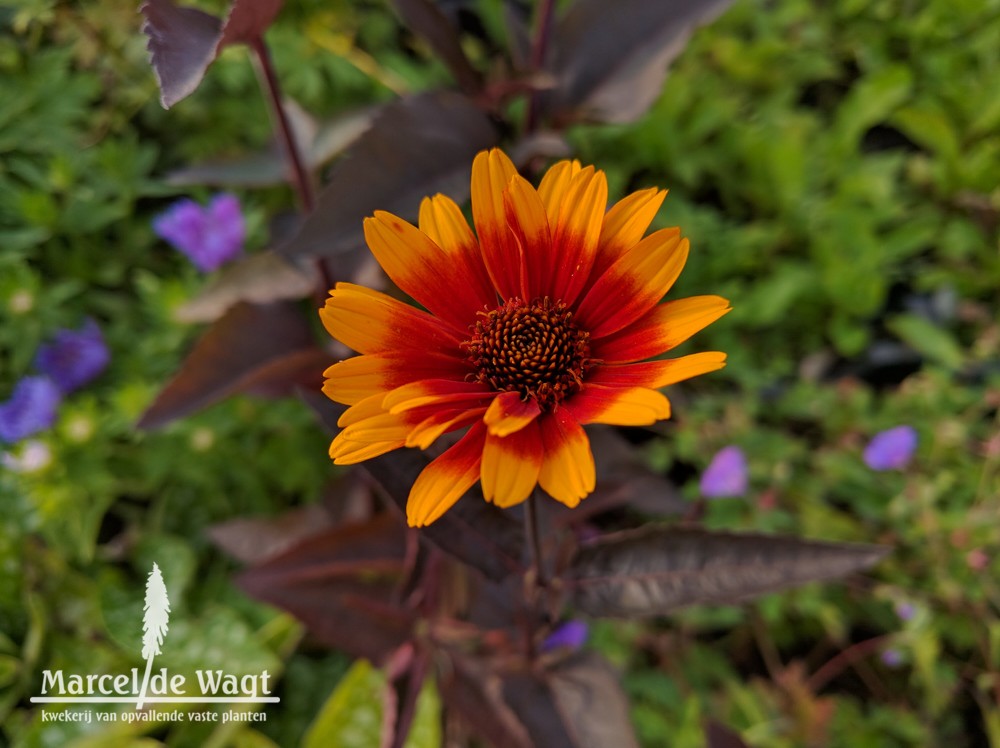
<point x="836" y="168"/>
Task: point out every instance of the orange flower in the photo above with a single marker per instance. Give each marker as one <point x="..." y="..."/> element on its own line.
<point x="532" y="331"/>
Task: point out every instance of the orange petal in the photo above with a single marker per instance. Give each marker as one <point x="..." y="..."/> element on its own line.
<point x="624" y="226"/>
<point x="347" y="452"/>
<point x="423" y="270"/>
<point x="509" y="413"/>
<point x="491" y="173"/>
<point x="526" y="217"/>
<point x="568" y="473"/>
<point x="511" y="464"/>
<point x="632" y="406"/>
<point x="371" y="322"/>
<point x="434" y="391"/>
<point x="354" y="379"/>
<point x="441" y="422"/>
<point x="552" y="188"/>
<point x="442" y="220"/>
<point x="656" y="374"/>
<point x="443" y="482"/>
<point x="359" y="411"/>
<point x="634" y="284"/>
<point x="664" y="327"/>
<point x="575" y="235"/>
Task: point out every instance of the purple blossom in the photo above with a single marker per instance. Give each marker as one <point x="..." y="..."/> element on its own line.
<point x="892" y="657"/>
<point x="892" y="449"/>
<point x="905" y="611"/>
<point x="30" y="409"/>
<point x="726" y="475"/>
<point x="74" y="357"/>
<point x="209" y="236"/>
<point x="569" y="635"/>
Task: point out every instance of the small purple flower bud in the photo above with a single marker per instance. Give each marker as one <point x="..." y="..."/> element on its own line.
<point x="726" y="475"/>
<point x="905" y="611"/>
<point x="209" y="236"/>
<point x="30" y="409"/>
<point x="569" y="635"/>
<point x="892" y="449"/>
<point x="74" y="357"/>
<point x="892" y="657"/>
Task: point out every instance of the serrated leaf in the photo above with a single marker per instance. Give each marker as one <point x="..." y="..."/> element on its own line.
<point x="182" y="44"/>
<point x="655" y="570"/>
<point x="259" y="278"/>
<point x="473" y="531"/>
<point x="416" y="147"/>
<point x="927" y="339"/>
<point x="341" y="583"/>
<point x="427" y="19"/>
<point x="184" y="41"/>
<point x="240" y="350"/>
<point x="610" y="59"/>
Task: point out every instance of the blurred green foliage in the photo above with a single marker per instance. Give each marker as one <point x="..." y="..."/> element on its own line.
<point x="835" y="165"/>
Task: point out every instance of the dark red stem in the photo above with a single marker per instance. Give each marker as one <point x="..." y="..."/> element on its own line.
<point x="300" y="179"/>
<point x="539" y="46"/>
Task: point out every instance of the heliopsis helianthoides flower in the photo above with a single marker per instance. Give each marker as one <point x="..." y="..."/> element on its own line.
<point x="541" y="325"/>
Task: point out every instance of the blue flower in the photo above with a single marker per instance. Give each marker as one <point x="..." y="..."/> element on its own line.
<point x="30" y="409"/>
<point x="726" y="475"/>
<point x="74" y="357"/>
<point x="892" y="449"/>
<point x="209" y="236"/>
<point x="569" y="635"/>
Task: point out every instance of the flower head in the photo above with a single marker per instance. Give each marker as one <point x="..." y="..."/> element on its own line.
<point x="726" y="475"/>
<point x="535" y="327"/>
<point x="30" y="409"/>
<point x="209" y="236"/>
<point x="891" y="449"/>
<point x="74" y="357"/>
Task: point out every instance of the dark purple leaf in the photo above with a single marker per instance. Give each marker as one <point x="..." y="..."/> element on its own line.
<point x="341" y="583"/>
<point x="320" y="143"/>
<point x="532" y="701"/>
<point x="239" y="351"/>
<point x="416" y="147"/>
<point x="575" y="703"/>
<point x="655" y="570"/>
<point x="182" y="44"/>
<point x="610" y="59"/>
<point x="474" y="692"/>
<point x="183" y="41"/>
<point x="426" y="19"/>
<point x="258" y="278"/>
<point x="589" y="697"/>
<point x="718" y="735"/>
<point x="254" y="539"/>
<point x="473" y="531"/>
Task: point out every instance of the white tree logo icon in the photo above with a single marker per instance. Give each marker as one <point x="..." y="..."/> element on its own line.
<point x="155" y="616"/>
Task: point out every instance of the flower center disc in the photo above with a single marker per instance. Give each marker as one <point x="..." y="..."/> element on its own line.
<point x="534" y="349"/>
